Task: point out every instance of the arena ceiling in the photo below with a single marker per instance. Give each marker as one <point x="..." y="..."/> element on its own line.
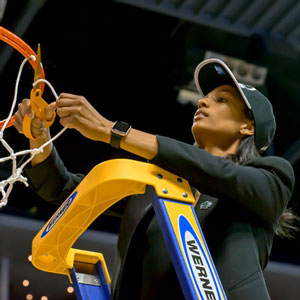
<point x="133" y="58"/>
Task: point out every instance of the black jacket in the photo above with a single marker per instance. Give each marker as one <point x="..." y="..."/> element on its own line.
<point x="239" y="227"/>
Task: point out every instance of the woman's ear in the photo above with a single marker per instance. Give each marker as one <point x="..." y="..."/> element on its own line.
<point x="247" y="128"/>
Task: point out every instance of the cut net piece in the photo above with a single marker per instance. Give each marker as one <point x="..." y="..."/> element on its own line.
<point x="6" y="185"/>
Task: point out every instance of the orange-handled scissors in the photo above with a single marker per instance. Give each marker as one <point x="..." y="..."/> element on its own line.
<point x="37" y="103"/>
<point x="17" y="43"/>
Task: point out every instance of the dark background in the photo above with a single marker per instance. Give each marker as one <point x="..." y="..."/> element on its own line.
<point x="130" y="62"/>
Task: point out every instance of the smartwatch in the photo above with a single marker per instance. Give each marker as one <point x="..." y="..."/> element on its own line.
<point x="119" y="130"/>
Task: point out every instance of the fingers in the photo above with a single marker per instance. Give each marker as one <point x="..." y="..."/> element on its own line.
<point x="23" y="108"/>
<point x="71" y="116"/>
<point x="67" y="100"/>
<point x="76" y="112"/>
<point x="67" y="111"/>
<point x="70" y="108"/>
<point x="67" y="121"/>
<point x="68" y="96"/>
<point x="38" y="129"/>
<point x="49" y="111"/>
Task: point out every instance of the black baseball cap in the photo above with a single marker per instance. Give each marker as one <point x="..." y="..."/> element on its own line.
<point x="213" y="72"/>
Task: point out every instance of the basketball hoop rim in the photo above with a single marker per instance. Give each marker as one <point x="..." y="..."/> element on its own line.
<point x="17" y="43"/>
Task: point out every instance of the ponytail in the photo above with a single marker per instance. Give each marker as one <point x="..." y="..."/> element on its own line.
<point x="288" y="224"/>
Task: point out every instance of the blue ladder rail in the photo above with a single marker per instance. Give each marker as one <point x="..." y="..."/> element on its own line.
<point x="89" y="281"/>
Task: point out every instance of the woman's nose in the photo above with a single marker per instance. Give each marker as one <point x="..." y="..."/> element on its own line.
<point x="203" y="102"/>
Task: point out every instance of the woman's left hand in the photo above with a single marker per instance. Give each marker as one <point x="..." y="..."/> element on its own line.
<point x="76" y="112"/>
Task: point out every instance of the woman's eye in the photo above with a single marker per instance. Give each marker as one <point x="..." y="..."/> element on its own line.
<point x="220" y="99"/>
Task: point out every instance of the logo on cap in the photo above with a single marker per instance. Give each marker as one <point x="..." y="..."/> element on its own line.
<point x="247" y="87"/>
<point x="220" y="70"/>
<point x="264" y="148"/>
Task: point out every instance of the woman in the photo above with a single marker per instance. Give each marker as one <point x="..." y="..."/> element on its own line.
<point x="242" y="195"/>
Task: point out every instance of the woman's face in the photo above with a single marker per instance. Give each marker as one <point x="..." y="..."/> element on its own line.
<point x="220" y="117"/>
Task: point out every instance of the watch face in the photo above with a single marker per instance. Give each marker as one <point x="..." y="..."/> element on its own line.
<point x="118" y="131"/>
<point x="121" y="126"/>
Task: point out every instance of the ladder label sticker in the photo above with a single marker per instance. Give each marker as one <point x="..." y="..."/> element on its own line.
<point x="194" y="250"/>
<point x="57" y="216"/>
<point x="197" y="260"/>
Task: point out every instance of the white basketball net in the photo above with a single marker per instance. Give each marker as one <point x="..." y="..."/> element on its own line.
<point x="6" y="185"/>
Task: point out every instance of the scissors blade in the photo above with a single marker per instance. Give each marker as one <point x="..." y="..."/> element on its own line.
<point x="37" y="71"/>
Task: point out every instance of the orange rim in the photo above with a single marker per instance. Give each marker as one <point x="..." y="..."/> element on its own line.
<point x="18" y="44"/>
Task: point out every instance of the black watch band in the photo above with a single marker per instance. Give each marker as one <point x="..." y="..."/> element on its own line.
<point x="119" y="130"/>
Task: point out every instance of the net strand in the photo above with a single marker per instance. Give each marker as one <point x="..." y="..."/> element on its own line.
<point x="15" y="93"/>
<point x="6" y="185"/>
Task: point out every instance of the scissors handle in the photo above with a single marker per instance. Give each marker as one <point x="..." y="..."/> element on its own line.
<point x="38" y="105"/>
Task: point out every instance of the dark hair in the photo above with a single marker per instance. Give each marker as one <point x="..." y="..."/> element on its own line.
<point x="287" y="226"/>
<point x="288" y="221"/>
<point x="246" y="151"/>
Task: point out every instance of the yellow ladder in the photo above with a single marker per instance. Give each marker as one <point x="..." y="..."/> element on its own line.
<point x="105" y="185"/>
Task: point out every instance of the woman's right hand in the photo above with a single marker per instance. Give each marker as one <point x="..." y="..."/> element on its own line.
<point x="38" y="129"/>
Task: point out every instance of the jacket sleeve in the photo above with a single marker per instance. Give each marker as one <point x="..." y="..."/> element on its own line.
<point x="54" y="183"/>
<point x="51" y="180"/>
<point x="263" y="186"/>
